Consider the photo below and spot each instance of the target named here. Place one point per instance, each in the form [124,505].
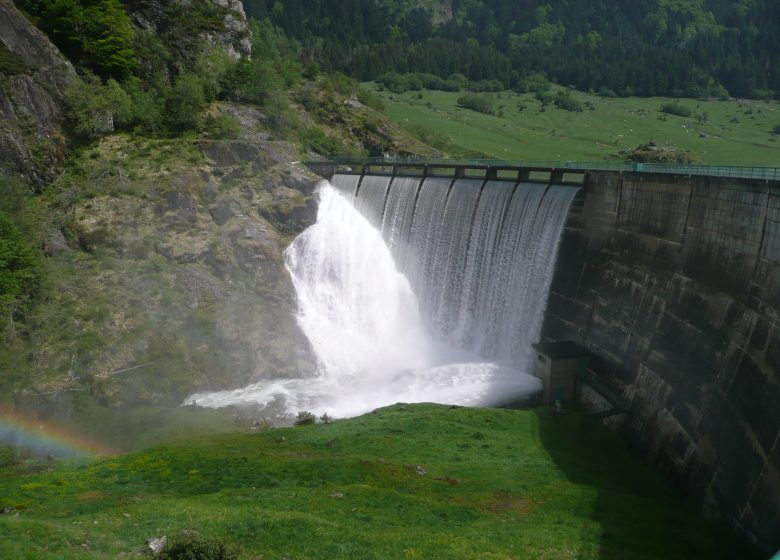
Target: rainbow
[38,437]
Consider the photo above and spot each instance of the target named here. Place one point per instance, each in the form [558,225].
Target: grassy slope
[592,135]
[532,485]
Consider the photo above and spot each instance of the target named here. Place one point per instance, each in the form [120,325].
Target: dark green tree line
[642,47]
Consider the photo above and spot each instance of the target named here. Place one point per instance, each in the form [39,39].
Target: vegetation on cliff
[95,34]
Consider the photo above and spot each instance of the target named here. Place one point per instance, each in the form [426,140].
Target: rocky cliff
[165,275]
[33,78]
[219,23]
[164,272]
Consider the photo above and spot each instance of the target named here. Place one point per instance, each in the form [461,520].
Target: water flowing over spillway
[418,290]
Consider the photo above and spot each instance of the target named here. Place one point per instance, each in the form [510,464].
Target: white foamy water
[364,322]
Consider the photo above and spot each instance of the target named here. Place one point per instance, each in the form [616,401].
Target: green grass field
[736,132]
[408,481]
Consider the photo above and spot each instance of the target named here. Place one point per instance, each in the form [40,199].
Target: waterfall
[416,290]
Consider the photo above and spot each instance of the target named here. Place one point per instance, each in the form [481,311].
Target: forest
[680,48]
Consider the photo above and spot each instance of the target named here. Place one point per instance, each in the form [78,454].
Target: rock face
[236,40]
[228,31]
[32,90]
[674,284]
[170,271]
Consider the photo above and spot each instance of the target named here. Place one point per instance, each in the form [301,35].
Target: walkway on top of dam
[525,169]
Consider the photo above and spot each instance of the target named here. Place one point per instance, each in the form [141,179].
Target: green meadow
[407,481]
[728,132]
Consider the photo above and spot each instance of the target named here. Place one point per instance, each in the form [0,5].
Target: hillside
[407,481]
[678,48]
[525,127]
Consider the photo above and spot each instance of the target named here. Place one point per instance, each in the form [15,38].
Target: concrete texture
[673,282]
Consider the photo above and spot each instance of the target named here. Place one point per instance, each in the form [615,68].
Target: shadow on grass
[639,513]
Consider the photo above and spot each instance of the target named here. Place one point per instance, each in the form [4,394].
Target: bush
[185,103]
[305,418]
[96,34]
[400,83]
[315,140]
[18,263]
[11,63]
[281,119]
[565,101]
[254,81]
[545,97]
[95,108]
[222,127]
[188,545]
[534,83]
[776,129]
[337,82]
[370,99]
[480,103]
[676,109]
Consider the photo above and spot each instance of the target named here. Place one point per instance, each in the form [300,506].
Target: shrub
[222,127]
[97,34]
[337,82]
[188,545]
[534,83]
[11,63]
[370,99]
[314,139]
[281,119]
[565,101]
[776,129]
[400,83]
[185,102]
[545,97]
[254,81]
[96,108]
[305,418]
[676,109]
[18,263]
[480,103]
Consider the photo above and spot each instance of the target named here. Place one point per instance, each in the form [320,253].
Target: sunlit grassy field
[407,481]
[731,132]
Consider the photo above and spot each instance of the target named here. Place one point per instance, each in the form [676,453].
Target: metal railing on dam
[730,171]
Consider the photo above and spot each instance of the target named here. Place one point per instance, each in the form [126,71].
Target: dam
[670,278]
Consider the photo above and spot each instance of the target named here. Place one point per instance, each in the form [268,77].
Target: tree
[18,264]
[96,108]
[185,103]
[95,34]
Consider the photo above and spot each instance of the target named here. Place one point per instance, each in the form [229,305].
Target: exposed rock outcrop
[32,144]
[222,23]
[236,40]
[184,241]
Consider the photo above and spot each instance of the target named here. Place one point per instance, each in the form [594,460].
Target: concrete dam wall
[673,283]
